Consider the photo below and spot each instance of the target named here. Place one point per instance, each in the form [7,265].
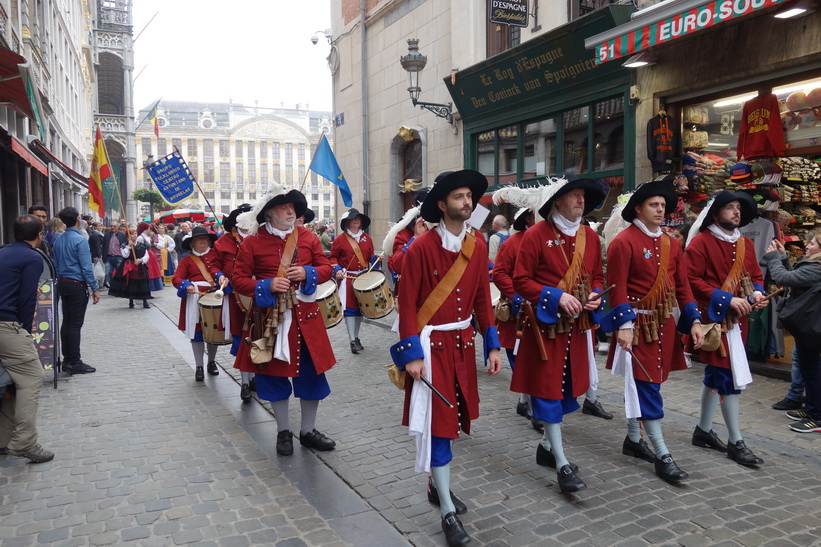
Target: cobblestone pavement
[146,456]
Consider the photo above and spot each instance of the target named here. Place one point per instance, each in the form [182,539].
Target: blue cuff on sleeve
[337,268]
[719,305]
[228,288]
[759,287]
[394,276]
[547,311]
[491,340]
[262,294]
[689,313]
[516,304]
[597,315]
[181,290]
[309,285]
[490,266]
[618,316]
[406,350]
[408,244]
[377,267]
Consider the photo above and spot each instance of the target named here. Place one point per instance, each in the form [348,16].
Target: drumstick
[601,294]
[435,391]
[774,293]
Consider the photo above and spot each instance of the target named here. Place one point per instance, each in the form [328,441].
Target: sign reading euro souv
[174,180]
[508,12]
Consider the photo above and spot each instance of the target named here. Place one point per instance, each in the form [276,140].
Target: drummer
[195,274]
[351,254]
[225,256]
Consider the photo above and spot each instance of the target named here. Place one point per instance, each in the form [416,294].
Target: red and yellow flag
[155,122]
[100,170]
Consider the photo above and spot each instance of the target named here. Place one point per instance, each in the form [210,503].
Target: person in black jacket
[111,250]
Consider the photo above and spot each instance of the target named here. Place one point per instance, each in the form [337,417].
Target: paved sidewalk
[146,456]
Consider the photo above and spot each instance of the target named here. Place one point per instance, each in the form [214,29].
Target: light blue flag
[325,165]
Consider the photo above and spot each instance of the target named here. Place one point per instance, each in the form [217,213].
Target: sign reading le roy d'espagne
[508,12]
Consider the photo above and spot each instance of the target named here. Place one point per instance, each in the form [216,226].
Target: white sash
[591,361]
[420,410]
[282,347]
[623,364]
[738,359]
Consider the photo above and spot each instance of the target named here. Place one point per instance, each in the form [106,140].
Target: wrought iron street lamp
[414,62]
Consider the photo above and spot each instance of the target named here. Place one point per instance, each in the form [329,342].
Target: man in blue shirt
[20,269]
[72,258]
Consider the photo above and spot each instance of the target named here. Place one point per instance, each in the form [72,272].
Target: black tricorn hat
[421,194]
[351,214]
[294,196]
[445,183]
[593,193]
[198,231]
[308,216]
[663,188]
[520,219]
[748,207]
[231,221]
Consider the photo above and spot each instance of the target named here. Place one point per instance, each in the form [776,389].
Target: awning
[668,20]
[16,89]
[20,149]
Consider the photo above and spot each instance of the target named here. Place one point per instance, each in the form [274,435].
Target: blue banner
[174,180]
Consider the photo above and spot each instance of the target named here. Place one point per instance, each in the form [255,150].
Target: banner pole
[308,170]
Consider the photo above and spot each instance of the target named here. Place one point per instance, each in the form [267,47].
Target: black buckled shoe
[285,443]
[454,531]
[433,497]
[739,453]
[199,374]
[213,370]
[708,440]
[569,482]
[359,345]
[595,409]
[354,347]
[546,458]
[667,469]
[245,393]
[523,410]
[638,450]
[315,439]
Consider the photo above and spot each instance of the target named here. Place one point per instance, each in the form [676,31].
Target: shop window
[540,148]
[608,134]
[575,146]
[508,155]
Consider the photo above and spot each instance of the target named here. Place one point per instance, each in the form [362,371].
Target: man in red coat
[438,337]
[280,263]
[647,268]
[225,256]
[400,237]
[351,254]
[559,271]
[727,284]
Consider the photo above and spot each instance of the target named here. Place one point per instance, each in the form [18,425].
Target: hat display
[231,220]
[308,216]
[766,200]
[663,188]
[445,183]
[565,183]
[276,195]
[198,231]
[351,214]
[721,199]
[740,171]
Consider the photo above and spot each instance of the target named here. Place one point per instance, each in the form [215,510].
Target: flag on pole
[155,122]
[100,170]
[325,165]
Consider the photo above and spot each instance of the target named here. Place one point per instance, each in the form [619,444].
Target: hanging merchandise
[761,132]
[663,142]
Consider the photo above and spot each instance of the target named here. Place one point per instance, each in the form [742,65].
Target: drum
[330,305]
[373,295]
[495,294]
[210,312]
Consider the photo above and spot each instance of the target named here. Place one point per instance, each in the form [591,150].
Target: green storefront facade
[545,107]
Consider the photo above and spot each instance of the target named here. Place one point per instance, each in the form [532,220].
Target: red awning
[13,83]
[21,150]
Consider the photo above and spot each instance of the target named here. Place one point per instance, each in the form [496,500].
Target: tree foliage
[148,196]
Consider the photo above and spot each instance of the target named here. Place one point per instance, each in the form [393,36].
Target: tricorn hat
[520,219]
[444,184]
[663,188]
[198,231]
[231,221]
[723,198]
[567,182]
[351,214]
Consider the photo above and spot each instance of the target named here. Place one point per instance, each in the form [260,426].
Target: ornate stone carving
[111,124]
[111,41]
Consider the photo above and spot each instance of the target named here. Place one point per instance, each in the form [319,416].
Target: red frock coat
[503,279]
[633,275]
[342,255]
[258,259]
[540,264]
[708,262]
[453,354]
[188,271]
[397,258]
[225,255]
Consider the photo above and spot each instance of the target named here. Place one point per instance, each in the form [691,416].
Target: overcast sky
[245,50]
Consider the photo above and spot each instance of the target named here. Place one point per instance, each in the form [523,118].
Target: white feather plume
[695,229]
[248,220]
[387,244]
[615,224]
[531,198]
